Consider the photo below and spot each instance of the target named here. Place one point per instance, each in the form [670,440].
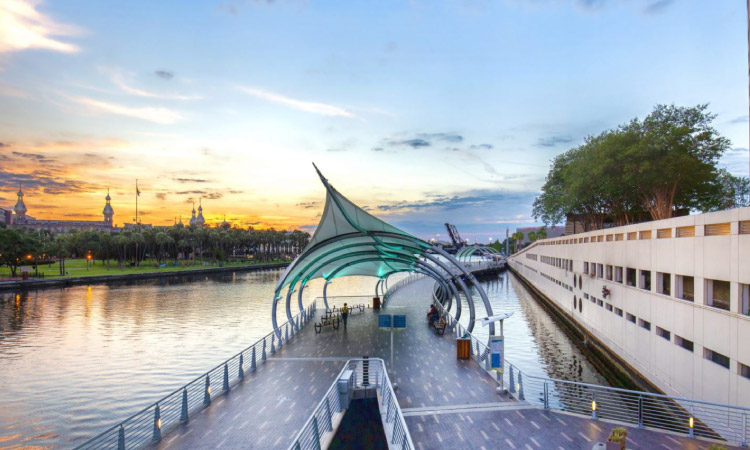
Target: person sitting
[433,314]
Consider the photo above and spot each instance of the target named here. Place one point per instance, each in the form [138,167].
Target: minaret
[108,211]
[20,208]
[192,219]
[200,221]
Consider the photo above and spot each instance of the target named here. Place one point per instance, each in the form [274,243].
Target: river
[75,361]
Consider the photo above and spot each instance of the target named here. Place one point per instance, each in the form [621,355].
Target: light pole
[88,258]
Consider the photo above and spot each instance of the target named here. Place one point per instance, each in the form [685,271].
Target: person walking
[344,314]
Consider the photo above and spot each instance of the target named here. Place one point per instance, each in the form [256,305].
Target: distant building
[197,221]
[555,231]
[17,217]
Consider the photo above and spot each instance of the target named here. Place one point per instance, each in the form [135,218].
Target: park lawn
[77,268]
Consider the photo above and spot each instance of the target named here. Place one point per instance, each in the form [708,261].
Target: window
[630,280]
[743,370]
[609,273]
[684,343]
[599,302]
[600,270]
[745,227]
[610,238]
[600,238]
[630,317]
[619,237]
[645,281]
[716,357]
[685,231]
[609,307]
[632,236]
[663,333]
[580,282]
[585,267]
[717,229]
[745,299]
[618,311]
[685,287]
[646,325]
[664,283]
[717,294]
[664,233]
[575,302]
[580,307]
[618,274]
[593,299]
[645,234]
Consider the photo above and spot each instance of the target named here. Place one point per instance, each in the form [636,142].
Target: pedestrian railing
[148,425]
[401,283]
[693,418]
[369,373]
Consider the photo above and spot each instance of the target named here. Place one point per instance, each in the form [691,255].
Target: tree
[532,236]
[16,247]
[517,237]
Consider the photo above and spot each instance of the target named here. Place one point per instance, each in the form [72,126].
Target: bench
[438,325]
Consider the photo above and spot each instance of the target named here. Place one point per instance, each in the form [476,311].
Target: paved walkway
[448,403]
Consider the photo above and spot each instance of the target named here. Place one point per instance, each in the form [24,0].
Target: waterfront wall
[676,307]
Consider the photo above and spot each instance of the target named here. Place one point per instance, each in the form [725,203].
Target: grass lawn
[77,268]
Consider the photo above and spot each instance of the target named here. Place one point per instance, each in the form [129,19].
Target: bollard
[593,405]
[157,425]
[207,391]
[273,346]
[520,386]
[546,397]
[121,438]
[184,413]
[512,381]
[225,386]
[263,351]
[640,411]
[252,360]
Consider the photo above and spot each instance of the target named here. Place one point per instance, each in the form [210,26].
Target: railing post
[184,413]
[296,323]
[640,411]
[280,339]
[273,345]
[593,405]
[395,430]
[225,385]
[291,333]
[241,374]
[520,386]
[286,332]
[157,425]
[487,363]
[546,396]
[263,351]
[207,391]
[121,438]
[328,415]
[512,380]
[316,433]
[252,360]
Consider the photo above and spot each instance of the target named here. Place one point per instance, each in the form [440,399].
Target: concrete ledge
[103,279]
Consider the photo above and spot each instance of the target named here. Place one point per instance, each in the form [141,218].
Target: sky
[423,112]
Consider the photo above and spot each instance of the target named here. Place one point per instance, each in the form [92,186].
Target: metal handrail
[319,426]
[149,424]
[637,408]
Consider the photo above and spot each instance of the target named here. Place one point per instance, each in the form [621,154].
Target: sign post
[392,322]
[497,347]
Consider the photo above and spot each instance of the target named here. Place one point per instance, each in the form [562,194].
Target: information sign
[496,353]
[384,321]
[399,321]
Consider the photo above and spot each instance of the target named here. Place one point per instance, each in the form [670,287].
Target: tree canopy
[645,168]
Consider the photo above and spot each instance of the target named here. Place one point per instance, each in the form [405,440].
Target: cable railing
[693,418]
[368,373]
[148,425]
[401,283]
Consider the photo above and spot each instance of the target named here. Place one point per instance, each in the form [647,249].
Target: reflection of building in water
[17,217]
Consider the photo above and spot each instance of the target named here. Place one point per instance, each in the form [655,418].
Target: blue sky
[425,112]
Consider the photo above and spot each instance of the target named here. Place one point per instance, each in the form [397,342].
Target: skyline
[423,113]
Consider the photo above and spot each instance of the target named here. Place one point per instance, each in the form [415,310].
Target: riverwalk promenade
[447,402]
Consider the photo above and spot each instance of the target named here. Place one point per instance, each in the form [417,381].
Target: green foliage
[654,167]
[17,247]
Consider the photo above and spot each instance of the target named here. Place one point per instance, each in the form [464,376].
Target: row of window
[714,229]
[717,292]
[680,341]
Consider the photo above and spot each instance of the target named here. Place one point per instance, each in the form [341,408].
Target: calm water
[74,361]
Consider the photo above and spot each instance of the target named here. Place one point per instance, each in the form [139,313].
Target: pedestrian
[344,314]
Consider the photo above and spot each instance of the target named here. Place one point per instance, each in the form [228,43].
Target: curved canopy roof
[350,241]
[482,250]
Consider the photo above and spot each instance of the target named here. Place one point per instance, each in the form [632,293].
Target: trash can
[463,348]
[376,303]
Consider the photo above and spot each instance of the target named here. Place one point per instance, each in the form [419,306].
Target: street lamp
[88,258]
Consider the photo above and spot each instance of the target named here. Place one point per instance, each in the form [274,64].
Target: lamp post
[88,258]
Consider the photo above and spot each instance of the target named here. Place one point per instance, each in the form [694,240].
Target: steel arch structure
[350,241]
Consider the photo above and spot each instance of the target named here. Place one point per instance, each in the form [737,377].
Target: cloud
[36,157]
[735,160]
[301,105]
[656,7]
[445,137]
[482,147]
[413,143]
[45,182]
[554,140]
[119,78]
[4,145]
[23,28]
[420,140]
[741,120]
[161,196]
[307,205]
[377,149]
[190,180]
[164,74]
[152,114]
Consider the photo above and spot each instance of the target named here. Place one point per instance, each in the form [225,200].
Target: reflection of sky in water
[74,361]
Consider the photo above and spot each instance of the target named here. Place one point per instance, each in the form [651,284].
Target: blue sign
[384,321]
[496,353]
[399,321]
